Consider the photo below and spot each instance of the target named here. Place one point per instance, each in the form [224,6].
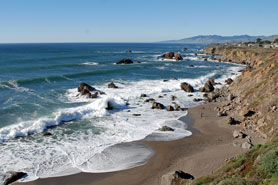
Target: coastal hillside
[217,39]
[256,99]
[252,102]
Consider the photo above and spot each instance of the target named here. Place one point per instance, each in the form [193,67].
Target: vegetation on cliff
[256,92]
[258,166]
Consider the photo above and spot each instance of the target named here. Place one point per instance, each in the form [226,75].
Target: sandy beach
[199,154]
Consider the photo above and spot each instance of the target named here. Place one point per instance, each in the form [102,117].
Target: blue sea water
[38,87]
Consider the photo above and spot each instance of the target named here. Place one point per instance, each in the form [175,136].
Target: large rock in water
[172,55]
[208,86]
[112,85]
[83,86]
[85,90]
[187,87]
[125,61]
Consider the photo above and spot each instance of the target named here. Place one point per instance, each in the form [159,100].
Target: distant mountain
[208,39]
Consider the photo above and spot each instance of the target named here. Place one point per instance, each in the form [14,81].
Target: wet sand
[199,154]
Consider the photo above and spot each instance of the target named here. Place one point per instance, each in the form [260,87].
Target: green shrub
[269,163]
[203,180]
[235,181]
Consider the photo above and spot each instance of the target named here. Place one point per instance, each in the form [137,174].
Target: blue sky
[132,20]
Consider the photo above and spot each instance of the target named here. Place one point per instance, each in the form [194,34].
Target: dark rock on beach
[197,99]
[156,105]
[187,87]
[208,87]
[10,177]
[169,108]
[143,95]
[229,81]
[166,128]
[125,61]
[149,100]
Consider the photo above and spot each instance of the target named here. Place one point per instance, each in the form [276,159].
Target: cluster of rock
[87,90]
[172,55]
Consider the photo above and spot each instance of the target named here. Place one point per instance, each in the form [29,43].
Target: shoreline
[209,145]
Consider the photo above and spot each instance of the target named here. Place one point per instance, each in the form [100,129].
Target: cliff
[256,91]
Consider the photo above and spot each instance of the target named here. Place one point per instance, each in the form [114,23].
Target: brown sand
[199,154]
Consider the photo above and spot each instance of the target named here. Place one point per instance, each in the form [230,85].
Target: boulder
[205,59]
[173,98]
[85,86]
[196,54]
[156,105]
[177,107]
[136,114]
[125,61]
[229,81]
[187,87]
[166,128]
[149,100]
[172,55]
[128,51]
[169,108]
[47,134]
[197,99]
[247,145]
[208,87]
[176,178]
[10,177]
[112,85]
[143,95]
[221,113]
[232,121]
[239,134]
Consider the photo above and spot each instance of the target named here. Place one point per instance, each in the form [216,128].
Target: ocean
[38,87]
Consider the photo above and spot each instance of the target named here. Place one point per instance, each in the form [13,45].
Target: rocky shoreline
[237,106]
[250,103]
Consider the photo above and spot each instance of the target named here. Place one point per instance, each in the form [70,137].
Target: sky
[26,21]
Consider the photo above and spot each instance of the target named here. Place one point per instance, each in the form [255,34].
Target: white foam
[90,150]
[90,63]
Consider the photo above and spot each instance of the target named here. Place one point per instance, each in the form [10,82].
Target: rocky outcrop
[125,61]
[208,87]
[84,86]
[172,55]
[87,90]
[112,85]
[187,87]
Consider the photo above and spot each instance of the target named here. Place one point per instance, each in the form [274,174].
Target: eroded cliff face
[256,91]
